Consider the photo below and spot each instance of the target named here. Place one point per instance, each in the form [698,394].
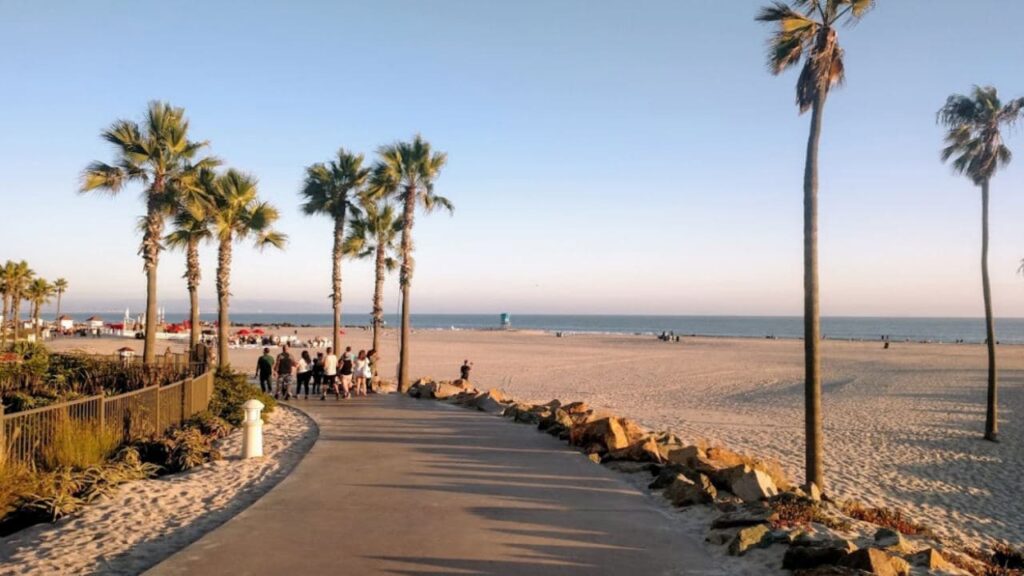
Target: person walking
[264,370]
[464,370]
[346,374]
[303,374]
[318,372]
[359,373]
[330,374]
[284,369]
[371,356]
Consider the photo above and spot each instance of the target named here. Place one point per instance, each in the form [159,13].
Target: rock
[931,559]
[626,467]
[725,457]
[595,458]
[686,455]
[806,557]
[555,422]
[748,538]
[606,431]
[813,492]
[644,451]
[892,541]
[877,562]
[749,484]
[666,476]
[831,571]
[634,432]
[782,536]
[744,516]
[460,383]
[522,413]
[720,537]
[576,408]
[444,390]
[491,401]
[686,492]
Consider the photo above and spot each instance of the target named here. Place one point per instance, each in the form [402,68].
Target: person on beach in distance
[346,374]
[303,374]
[264,370]
[359,374]
[464,370]
[285,366]
[368,370]
[318,372]
[330,374]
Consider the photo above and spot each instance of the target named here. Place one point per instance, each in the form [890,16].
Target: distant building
[65,322]
[94,322]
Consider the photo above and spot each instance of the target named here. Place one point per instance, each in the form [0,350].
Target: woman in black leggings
[305,373]
[318,372]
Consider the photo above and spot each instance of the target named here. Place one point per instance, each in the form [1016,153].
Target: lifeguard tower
[506,320]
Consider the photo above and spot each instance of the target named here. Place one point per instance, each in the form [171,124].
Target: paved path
[401,486]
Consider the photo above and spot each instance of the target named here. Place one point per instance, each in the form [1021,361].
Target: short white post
[252,444]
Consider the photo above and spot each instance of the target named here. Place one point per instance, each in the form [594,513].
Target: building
[94,322]
[64,322]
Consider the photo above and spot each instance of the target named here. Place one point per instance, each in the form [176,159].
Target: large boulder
[555,422]
[807,557]
[646,450]
[444,390]
[524,413]
[892,541]
[749,483]
[746,515]
[607,432]
[634,432]
[748,538]
[686,492]
[877,562]
[931,559]
[492,401]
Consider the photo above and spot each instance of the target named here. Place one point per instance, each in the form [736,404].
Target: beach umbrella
[258,331]
[244,332]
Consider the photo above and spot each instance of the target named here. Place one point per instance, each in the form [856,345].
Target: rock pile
[754,504]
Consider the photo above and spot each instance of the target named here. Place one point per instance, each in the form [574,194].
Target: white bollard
[252,444]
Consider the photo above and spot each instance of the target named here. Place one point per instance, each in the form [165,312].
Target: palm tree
[158,155]
[975,144]
[375,234]
[236,213]
[807,30]
[191,228]
[331,189]
[38,293]
[411,168]
[16,278]
[60,286]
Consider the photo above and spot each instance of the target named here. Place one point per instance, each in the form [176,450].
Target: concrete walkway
[401,486]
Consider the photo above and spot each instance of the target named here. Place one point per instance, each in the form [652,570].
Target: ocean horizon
[917,329]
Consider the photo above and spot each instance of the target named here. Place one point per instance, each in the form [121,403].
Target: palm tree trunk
[15,313]
[6,319]
[378,304]
[406,281]
[57,317]
[339,239]
[223,296]
[991,415]
[192,273]
[814,456]
[151,255]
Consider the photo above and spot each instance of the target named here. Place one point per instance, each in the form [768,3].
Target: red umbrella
[243,332]
[258,331]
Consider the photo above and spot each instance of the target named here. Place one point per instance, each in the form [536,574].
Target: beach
[902,426]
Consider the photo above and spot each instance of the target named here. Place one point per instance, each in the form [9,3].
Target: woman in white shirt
[305,374]
[359,374]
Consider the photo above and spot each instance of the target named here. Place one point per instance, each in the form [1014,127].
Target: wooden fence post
[186,388]
[3,436]
[156,424]
[103,414]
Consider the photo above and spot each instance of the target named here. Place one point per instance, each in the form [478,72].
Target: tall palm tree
[236,213]
[806,30]
[192,228]
[331,189]
[975,144]
[38,293]
[158,155]
[5,295]
[411,167]
[374,234]
[17,277]
[60,286]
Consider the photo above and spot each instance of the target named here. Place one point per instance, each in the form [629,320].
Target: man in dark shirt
[284,368]
[464,371]
[264,370]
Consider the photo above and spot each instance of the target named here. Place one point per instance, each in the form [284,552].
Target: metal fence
[24,436]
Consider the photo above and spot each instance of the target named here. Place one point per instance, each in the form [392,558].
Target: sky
[603,157]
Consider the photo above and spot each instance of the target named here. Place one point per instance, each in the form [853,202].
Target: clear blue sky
[604,157]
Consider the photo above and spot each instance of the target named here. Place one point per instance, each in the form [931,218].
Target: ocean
[1008,331]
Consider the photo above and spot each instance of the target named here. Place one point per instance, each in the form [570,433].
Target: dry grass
[79,444]
[887,518]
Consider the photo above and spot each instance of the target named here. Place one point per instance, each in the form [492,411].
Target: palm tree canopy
[415,165]
[16,277]
[378,225]
[330,188]
[237,213]
[60,285]
[974,140]
[806,31]
[39,291]
[156,153]
[191,224]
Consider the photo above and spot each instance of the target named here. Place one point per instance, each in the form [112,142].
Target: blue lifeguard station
[506,320]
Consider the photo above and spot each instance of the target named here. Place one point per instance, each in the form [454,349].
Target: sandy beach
[902,426]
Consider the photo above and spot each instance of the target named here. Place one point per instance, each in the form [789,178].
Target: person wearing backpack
[284,368]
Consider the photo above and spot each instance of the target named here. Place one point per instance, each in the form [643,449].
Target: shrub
[209,425]
[886,518]
[230,391]
[1006,556]
[792,511]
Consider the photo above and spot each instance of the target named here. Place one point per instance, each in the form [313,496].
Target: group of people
[345,376]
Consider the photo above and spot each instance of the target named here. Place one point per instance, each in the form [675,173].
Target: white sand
[149,520]
[902,426]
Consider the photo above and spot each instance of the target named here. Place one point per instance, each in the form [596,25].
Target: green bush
[78,444]
[209,425]
[230,391]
